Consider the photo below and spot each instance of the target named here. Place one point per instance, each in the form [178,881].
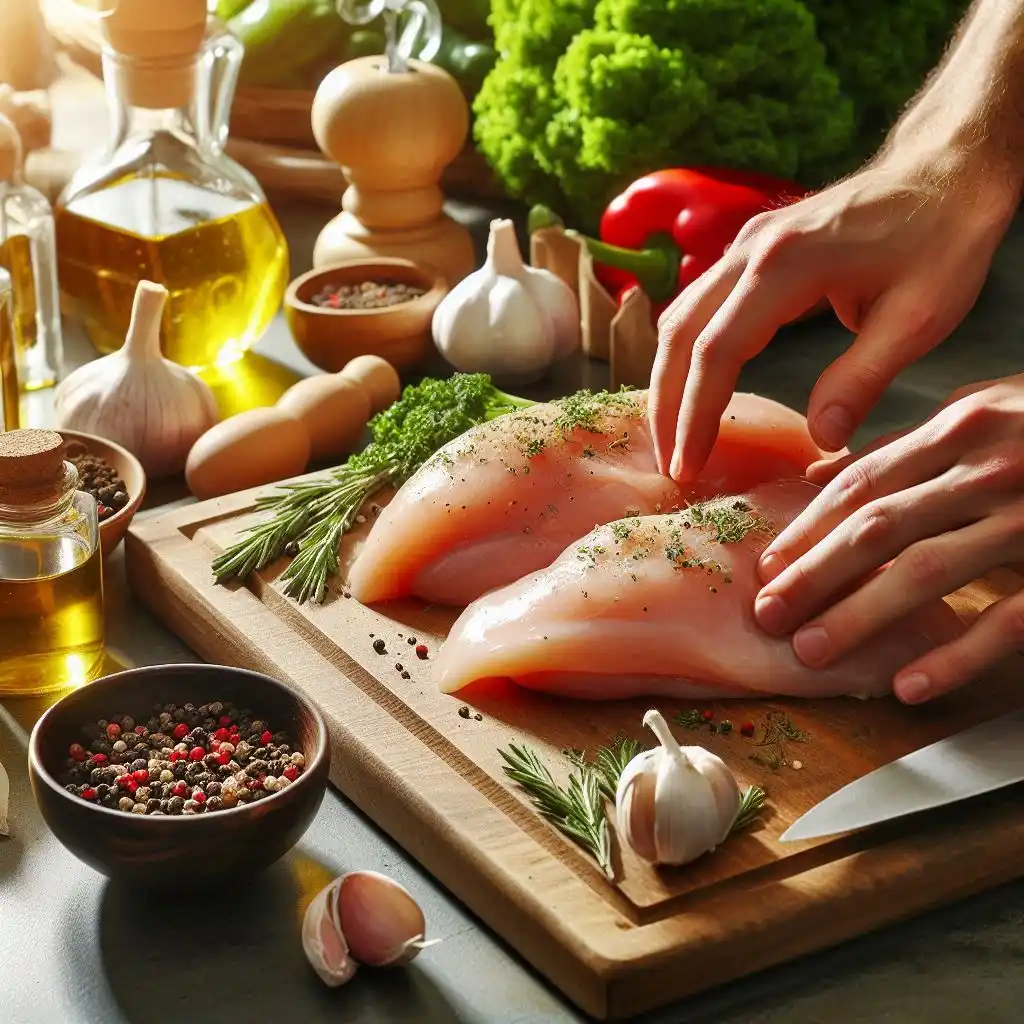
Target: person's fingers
[770,293]
[901,326]
[860,544]
[678,328]
[925,571]
[906,462]
[997,633]
[824,470]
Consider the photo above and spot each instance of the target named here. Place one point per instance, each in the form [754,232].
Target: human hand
[937,506]
[900,251]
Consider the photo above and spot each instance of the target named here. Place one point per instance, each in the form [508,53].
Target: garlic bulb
[137,398]
[361,918]
[507,319]
[5,796]
[675,803]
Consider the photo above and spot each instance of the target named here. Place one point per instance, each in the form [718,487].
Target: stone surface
[75,950]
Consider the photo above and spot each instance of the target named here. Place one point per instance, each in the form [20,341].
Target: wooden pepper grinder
[393,126]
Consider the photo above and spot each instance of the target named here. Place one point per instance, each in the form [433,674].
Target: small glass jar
[51,569]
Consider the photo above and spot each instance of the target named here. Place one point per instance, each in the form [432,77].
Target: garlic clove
[5,797]
[634,805]
[323,940]
[383,924]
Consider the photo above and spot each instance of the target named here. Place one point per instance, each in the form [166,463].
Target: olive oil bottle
[10,399]
[51,569]
[164,203]
[27,253]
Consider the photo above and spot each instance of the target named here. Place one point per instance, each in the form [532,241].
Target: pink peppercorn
[266,737]
[197,753]
[99,759]
[224,721]
[199,796]
[221,735]
[88,793]
[126,782]
[180,788]
[180,731]
[421,651]
[113,730]
[141,776]
[291,773]
[76,752]
[223,758]
[141,730]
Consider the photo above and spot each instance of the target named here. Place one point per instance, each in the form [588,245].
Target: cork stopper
[159,39]
[10,151]
[31,467]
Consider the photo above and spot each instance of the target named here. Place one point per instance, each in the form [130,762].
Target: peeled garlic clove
[384,925]
[324,941]
[5,796]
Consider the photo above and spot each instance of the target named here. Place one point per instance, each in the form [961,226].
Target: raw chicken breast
[658,605]
[506,497]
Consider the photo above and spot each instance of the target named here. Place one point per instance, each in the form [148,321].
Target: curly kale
[589,94]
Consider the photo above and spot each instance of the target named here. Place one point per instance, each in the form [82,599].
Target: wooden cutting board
[432,779]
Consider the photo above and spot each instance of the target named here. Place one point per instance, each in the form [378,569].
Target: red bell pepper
[670,226]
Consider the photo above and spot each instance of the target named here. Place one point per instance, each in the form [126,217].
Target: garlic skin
[5,796]
[137,398]
[507,319]
[323,941]
[673,804]
[363,917]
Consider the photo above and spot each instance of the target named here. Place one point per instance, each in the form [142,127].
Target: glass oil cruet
[51,569]
[10,412]
[164,202]
[28,254]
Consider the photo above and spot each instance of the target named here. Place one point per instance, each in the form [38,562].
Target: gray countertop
[75,949]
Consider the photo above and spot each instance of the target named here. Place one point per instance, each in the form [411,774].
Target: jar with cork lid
[51,569]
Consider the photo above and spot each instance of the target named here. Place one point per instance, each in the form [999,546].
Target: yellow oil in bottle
[51,614]
[9,397]
[16,259]
[224,261]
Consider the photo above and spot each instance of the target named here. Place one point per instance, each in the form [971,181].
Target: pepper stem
[654,721]
[655,267]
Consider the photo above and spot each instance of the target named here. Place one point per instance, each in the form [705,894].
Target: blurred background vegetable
[292,44]
[588,95]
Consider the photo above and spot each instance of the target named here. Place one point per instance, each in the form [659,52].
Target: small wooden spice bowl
[330,338]
[167,850]
[128,468]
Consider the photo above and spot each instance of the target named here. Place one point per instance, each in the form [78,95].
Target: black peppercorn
[152,804]
[176,804]
[379,646]
[138,764]
[214,803]
[213,788]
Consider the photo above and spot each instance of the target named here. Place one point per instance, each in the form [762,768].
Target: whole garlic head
[137,398]
[675,803]
[362,917]
[507,319]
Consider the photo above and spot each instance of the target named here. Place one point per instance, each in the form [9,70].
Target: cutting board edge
[603,983]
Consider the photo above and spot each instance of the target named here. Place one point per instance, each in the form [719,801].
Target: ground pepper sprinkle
[183,760]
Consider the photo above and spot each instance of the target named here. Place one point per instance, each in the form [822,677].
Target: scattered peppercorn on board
[426,768]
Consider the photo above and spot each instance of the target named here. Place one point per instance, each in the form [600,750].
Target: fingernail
[834,426]
[770,566]
[770,612]
[811,645]
[913,688]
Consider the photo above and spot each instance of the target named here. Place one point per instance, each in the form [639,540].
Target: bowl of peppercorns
[167,774]
[113,476]
[381,306]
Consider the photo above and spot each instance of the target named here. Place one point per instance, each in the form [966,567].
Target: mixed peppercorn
[368,295]
[98,477]
[181,760]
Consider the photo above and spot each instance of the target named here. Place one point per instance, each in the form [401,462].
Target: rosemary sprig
[610,763]
[577,811]
[751,805]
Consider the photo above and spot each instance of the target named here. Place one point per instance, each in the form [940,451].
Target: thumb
[902,325]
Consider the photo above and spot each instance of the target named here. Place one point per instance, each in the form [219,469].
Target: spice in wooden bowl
[366,295]
[99,478]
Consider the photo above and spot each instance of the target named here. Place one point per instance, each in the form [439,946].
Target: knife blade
[978,760]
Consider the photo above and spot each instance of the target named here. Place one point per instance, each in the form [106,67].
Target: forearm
[973,106]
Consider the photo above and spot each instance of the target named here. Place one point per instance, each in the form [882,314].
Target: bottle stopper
[31,467]
[158,42]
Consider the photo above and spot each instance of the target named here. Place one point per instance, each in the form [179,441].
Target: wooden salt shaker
[393,133]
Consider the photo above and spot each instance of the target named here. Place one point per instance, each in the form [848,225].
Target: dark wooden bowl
[170,850]
[331,338]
